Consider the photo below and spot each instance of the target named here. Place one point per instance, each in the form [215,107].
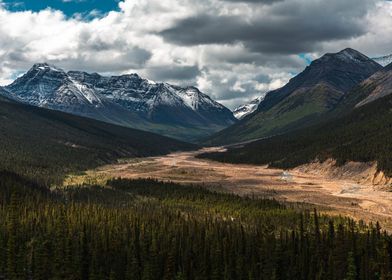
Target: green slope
[297,110]
[362,135]
[44,144]
[304,100]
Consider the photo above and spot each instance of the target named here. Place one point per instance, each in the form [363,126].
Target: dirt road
[337,196]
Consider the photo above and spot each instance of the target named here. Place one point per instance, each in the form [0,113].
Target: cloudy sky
[233,50]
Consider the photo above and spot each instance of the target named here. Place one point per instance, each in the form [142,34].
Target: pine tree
[170,266]
[351,268]
[12,251]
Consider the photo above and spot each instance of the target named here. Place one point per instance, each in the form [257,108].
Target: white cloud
[128,40]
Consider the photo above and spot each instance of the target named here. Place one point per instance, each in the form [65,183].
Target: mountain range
[305,99]
[127,100]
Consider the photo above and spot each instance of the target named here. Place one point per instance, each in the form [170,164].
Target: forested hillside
[363,135]
[44,145]
[149,230]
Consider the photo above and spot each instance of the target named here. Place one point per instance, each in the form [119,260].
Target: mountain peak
[350,51]
[341,70]
[352,54]
[45,67]
[348,56]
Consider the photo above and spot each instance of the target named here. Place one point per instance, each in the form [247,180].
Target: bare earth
[332,195]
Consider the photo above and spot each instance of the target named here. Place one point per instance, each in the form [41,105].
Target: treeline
[145,229]
[363,135]
[46,145]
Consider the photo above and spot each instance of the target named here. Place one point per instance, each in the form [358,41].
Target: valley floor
[332,195]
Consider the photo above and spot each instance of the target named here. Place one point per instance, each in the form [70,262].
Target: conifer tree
[351,268]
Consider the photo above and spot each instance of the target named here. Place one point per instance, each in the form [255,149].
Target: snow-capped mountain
[247,109]
[383,60]
[129,100]
[47,86]
[158,101]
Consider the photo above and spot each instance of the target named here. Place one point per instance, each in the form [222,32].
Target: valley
[195,140]
[332,195]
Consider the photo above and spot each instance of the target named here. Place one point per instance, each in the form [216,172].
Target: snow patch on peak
[190,97]
[195,99]
[347,55]
[84,92]
[45,67]
[151,82]
[247,109]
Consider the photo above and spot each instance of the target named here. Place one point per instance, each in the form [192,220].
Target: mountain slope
[362,135]
[376,86]
[45,144]
[127,100]
[3,94]
[309,95]
[380,85]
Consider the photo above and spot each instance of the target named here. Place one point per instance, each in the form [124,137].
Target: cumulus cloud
[233,50]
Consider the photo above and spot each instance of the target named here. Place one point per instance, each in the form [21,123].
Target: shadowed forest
[145,229]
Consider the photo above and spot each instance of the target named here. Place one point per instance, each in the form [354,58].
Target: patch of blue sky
[307,57]
[71,8]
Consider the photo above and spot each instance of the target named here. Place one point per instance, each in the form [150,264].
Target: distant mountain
[383,60]
[159,102]
[247,109]
[45,145]
[305,99]
[127,100]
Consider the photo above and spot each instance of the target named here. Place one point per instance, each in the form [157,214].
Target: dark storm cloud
[262,78]
[241,56]
[178,73]
[289,27]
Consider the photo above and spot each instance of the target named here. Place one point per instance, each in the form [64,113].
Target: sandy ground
[333,195]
